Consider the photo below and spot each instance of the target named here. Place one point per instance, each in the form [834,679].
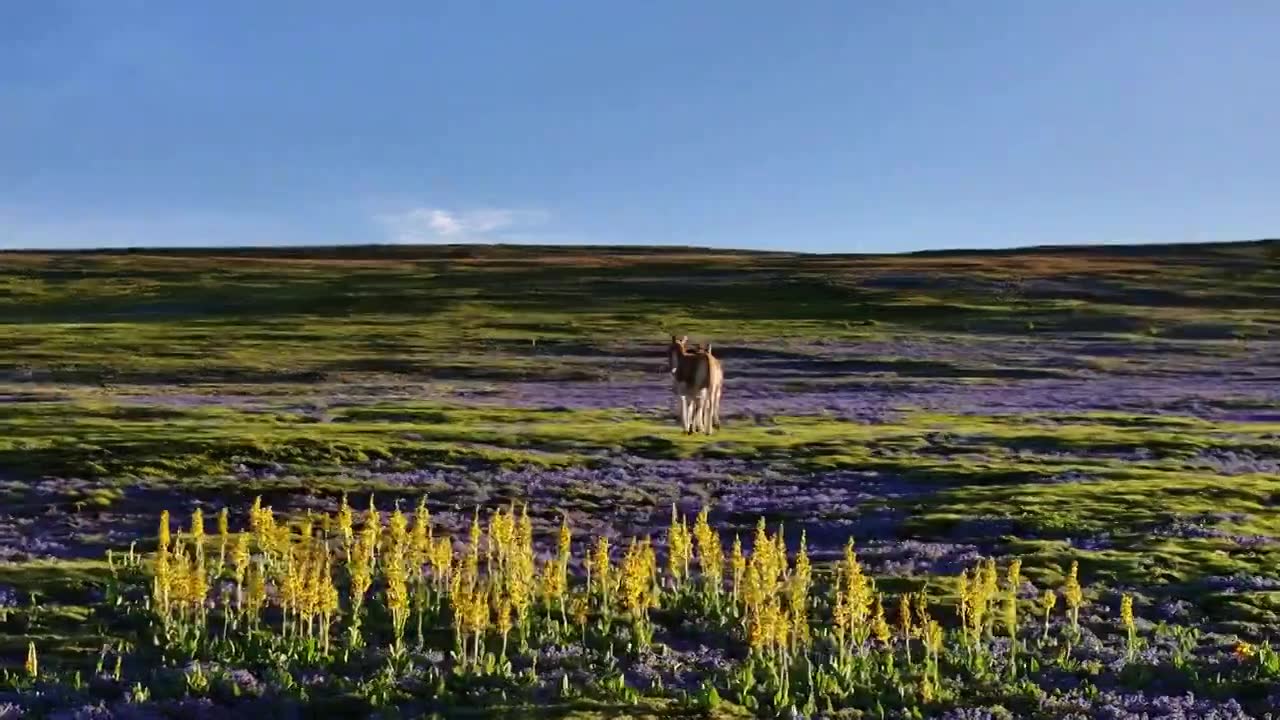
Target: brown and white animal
[697,381]
[714,389]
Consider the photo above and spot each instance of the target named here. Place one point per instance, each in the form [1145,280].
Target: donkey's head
[676,350]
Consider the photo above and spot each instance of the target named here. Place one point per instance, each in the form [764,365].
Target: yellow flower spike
[579,610]
[1129,624]
[935,637]
[754,592]
[1073,593]
[163,539]
[521,571]
[990,589]
[502,615]
[779,553]
[798,596]
[650,562]
[328,600]
[840,615]
[715,564]
[632,586]
[858,595]
[761,546]
[199,580]
[162,584]
[256,596]
[397,531]
[346,527]
[361,570]
[182,568]
[197,531]
[255,514]
[564,550]
[493,548]
[396,592]
[686,550]
[282,536]
[549,582]
[905,626]
[565,539]
[442,562]
[240,562]
[473,547]
[373,522]
[781,632]
[309,587]
[1015,575]
[289,588]
[478,620]
[32,665]
[922,611]
[975,587]
[738,562]
[459,604]
[224,536]
[526,525]
[677,550]
[600,567]
[264,532]
[879,626]
[1047,601]
[420,541]
[174,589]
[710,553]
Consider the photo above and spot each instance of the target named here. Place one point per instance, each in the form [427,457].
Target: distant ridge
[464,250]
[1127,250]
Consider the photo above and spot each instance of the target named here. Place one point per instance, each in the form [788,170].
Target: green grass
[92,340]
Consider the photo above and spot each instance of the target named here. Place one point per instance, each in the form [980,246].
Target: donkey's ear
[708,347]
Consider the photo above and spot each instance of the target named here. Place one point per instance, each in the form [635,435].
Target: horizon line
[531,247]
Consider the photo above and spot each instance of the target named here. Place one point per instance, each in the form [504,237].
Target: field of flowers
[446,482]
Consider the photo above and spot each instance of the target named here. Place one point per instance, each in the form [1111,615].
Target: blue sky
[813,126]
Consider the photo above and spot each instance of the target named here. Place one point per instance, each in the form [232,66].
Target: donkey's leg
[704,401]
[695,416]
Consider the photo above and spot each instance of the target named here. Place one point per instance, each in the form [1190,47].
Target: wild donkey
[697,379]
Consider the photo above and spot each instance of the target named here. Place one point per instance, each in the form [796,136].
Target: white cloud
[423,225]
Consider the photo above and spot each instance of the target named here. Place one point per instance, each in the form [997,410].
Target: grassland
[1119,407]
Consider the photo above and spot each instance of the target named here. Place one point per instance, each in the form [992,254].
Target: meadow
[407,482]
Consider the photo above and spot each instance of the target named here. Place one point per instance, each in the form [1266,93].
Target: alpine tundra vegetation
[447,482]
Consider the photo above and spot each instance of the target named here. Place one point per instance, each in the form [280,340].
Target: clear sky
[817,126]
